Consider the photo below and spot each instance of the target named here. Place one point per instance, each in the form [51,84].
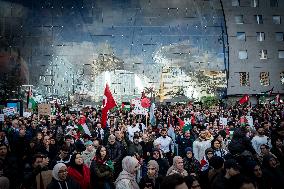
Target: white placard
[223,121]
[27,114]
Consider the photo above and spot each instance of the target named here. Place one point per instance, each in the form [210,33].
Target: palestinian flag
[268,93]
[82,126]
[31,103]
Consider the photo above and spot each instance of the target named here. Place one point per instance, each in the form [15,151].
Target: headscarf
[56,169]
[173,169]
[156,165]
[128,165]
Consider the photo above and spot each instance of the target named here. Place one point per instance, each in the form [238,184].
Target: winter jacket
[82,179]
[101,173]
[71,184]
[114,152]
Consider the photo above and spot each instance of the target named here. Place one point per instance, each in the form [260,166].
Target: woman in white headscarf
[61,180]
[127,178]
[177,167]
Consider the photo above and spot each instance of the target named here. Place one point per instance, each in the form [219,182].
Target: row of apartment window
[276,19]
[255,3]
[260,36]
[263,78]
[243,54]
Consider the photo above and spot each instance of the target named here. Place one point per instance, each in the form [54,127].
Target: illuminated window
[243,55]
[279,36]
[258,19]
[244,78]
[280,54]
[241,36]
[263,54]
[239,19]
[235,3]
[260,36]
[276,19]
[264,78]
[254,3]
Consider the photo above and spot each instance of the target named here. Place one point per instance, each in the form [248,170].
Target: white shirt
[199,148]
[131,130]
[165,143]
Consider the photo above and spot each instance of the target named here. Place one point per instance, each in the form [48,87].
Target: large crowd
[186,147]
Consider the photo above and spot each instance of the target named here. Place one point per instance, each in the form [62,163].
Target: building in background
[255,31]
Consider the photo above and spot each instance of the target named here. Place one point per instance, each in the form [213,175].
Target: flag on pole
[277,98]
[31,103]
[152,115]
[244,99]
[108,104]
[269,92]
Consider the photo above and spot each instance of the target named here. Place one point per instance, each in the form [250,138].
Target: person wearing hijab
[127,178]
[61,180]
[152,179]
[191,165]
[177,167]
[162,162]
[79,171]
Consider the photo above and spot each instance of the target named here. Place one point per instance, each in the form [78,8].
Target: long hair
[98,153]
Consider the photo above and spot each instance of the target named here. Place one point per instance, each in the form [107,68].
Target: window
[263,54]
[260,36]
[241,36]
[276,19]
[254,3]
[244,78]
[264,78]
[282,78]
[280,54]
[239,19]
[258,19]
[273,3]
[235,3]
[243,55]
[279,36]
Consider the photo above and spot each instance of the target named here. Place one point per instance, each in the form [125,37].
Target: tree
[209,101]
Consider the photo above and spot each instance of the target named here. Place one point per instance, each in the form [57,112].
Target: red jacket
[83,180]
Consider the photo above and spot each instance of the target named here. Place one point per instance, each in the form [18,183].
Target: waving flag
[244,99]
[31,103]
[152,115]
[108,104]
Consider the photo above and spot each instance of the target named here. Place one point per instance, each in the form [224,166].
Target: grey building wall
[253,64]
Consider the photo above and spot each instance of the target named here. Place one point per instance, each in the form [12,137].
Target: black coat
[100,175]
[54,184]
[114,152]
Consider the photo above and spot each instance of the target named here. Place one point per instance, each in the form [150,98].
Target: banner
[9,111]
[223,121]
[138,109]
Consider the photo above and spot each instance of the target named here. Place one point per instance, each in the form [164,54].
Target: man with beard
[260,139]
[167,145]
[115,153]
[200,145]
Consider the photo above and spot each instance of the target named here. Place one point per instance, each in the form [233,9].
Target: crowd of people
[186,147]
